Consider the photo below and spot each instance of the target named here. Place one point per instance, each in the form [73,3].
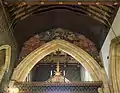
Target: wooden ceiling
[103,12]
[90,18]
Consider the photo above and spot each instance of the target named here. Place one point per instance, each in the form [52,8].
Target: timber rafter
[104,12]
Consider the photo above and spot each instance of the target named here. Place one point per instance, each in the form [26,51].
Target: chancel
[58,78]
[59,46]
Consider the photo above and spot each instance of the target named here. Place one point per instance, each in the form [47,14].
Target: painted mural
[59,33]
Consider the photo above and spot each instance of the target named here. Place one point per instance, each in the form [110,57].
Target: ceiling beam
[67,2]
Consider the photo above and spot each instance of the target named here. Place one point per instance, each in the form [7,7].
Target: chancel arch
[97,73]
[33,58]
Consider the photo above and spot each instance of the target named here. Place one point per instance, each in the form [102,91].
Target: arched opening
[33,58]
[69,69]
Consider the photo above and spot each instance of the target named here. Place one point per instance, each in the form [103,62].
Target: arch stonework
[7,59]
[22,70]
[115,65]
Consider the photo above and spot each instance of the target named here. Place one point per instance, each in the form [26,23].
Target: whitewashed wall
[106,46]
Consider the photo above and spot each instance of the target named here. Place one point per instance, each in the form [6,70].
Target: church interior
[59,46]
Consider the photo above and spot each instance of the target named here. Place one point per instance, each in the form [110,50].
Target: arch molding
[25,66]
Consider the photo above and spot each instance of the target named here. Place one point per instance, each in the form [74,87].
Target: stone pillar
[7,38]
[115,65]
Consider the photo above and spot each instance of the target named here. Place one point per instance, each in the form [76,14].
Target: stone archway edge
[115,65]
[34,57]
[7,59]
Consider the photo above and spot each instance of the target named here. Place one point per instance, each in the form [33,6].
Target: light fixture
[115,3]
[97,3]
[60,2]
[42,3]
[79,3]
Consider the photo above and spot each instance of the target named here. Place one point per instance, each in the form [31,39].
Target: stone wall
[7,38]
[115,65]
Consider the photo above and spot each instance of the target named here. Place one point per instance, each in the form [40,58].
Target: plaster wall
[113,33]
